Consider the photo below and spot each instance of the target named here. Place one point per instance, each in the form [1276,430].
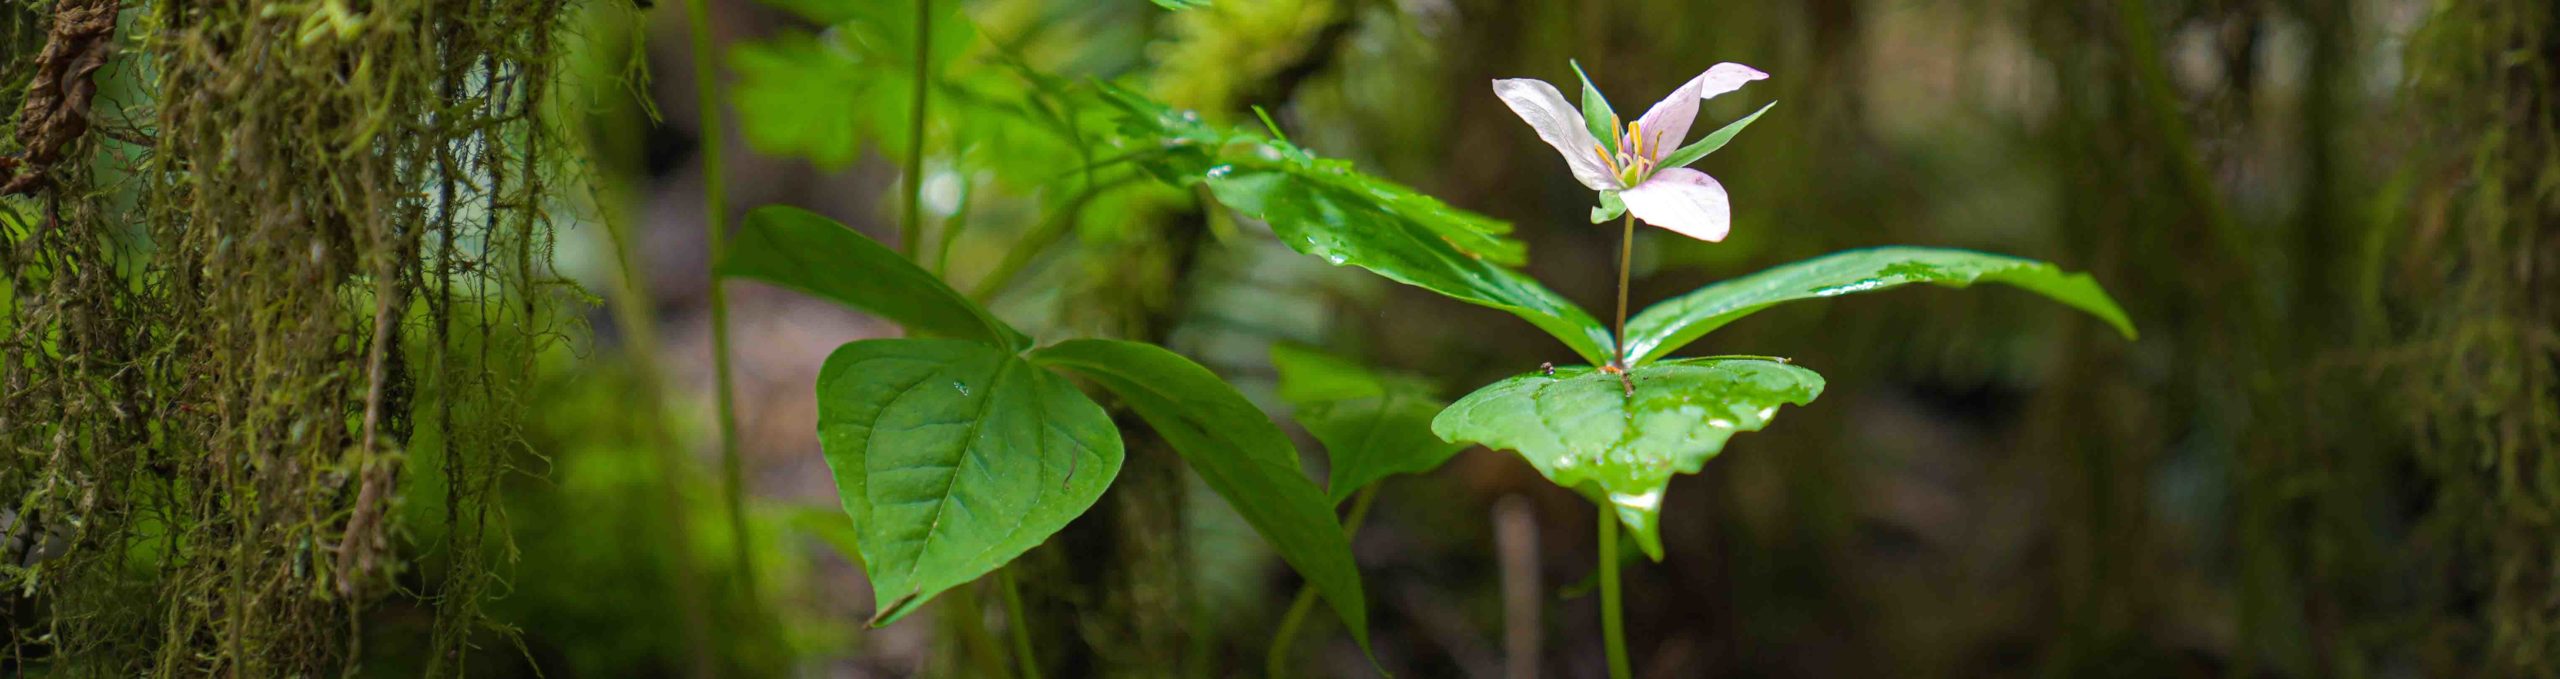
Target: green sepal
[1596,113]
[1691,153]
[1611,206]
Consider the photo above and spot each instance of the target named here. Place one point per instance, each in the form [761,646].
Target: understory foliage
[287,222]
[278,274]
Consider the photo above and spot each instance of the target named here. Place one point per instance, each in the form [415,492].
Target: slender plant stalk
[911,229]
[1276,664]
[1618,337]
[1612,628]
[1021,625]
[1051,229]
[951,229]
[973,648]
[715,201]
[1626,260]
[630,308]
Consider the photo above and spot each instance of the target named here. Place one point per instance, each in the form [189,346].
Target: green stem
[1020,624]
[715,200]
[911,229]
[974,651]
[1626,258]
[1052,228]
[631,314]
[1276,664]
[951,229]
[1612,628]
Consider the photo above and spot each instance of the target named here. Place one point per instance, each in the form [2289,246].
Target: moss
[2475,302]
[221,321]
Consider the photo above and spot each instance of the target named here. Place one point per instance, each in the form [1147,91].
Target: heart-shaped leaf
[1582,430]
[1373,426]
[1668,325]
[801,250]
[953,457]
[1236,450]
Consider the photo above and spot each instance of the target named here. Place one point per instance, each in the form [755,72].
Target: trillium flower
[1641,168]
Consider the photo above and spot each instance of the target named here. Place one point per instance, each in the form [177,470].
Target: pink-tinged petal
[1561,125]
[1666,125]
[1726,77]
[1682,200]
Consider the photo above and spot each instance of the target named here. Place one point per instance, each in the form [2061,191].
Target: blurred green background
[2330,454]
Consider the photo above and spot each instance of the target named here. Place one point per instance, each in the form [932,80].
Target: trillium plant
[1619,431]
[1635,168]
[969,442]
[1619,427]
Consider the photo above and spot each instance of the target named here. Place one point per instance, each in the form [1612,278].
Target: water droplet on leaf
[1860,286]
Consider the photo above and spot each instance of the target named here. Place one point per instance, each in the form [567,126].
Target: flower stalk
[1618,339]
[1612,625]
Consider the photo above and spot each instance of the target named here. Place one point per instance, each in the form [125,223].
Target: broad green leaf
[1237,450]
[1666,326]
[1343,228]
[886,29]
[801,250]
[1714,140]
[1327,209]
[1579,427]
[1596,113]
[1373,426]
[805,96]
[1184,150]
[822,97]
[954,457]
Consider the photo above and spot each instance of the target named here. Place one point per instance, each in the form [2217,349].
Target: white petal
[1666,125]
[1561,125]
[1682,200]
[1726,77]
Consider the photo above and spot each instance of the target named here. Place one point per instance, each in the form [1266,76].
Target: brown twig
[57,108]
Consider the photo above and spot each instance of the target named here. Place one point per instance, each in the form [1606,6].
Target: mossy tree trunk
[227,285]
